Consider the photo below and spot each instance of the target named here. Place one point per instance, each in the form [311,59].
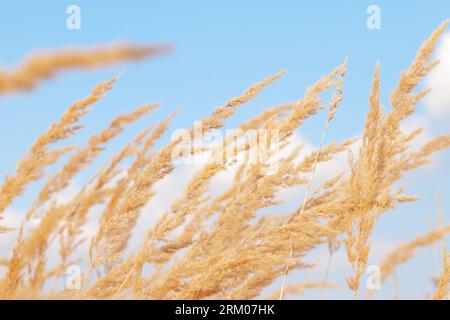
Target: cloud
[438,100]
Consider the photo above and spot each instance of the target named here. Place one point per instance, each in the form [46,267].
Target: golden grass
[442,288]
[45,65]
[31,166]
[206,245]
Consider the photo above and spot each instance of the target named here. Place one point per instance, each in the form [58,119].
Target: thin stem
[305,198]
[327,271]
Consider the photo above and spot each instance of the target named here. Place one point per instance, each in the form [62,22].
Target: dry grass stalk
[336,99]
[125,213]
[442,289]
[31,167]
[228,245]
[43,65]
[403,252]
[299,288]
[86,155]
[383,157]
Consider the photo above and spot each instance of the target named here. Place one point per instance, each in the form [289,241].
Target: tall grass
[208,245]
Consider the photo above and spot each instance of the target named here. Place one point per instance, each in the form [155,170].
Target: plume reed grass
[442,289]
[43,65]
[209,244]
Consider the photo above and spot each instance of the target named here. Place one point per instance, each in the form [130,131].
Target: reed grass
[209,245]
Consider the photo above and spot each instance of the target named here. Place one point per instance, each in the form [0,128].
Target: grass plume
[210,243]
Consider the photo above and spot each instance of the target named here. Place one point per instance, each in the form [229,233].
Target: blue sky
[220,49]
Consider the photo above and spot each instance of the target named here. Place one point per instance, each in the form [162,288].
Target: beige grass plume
[403,252]
[442,289]
[44,65]
[210,244]
[31,167]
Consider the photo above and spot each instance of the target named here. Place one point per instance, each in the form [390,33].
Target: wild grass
[208,245]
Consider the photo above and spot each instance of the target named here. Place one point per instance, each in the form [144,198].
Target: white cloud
[438,100]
